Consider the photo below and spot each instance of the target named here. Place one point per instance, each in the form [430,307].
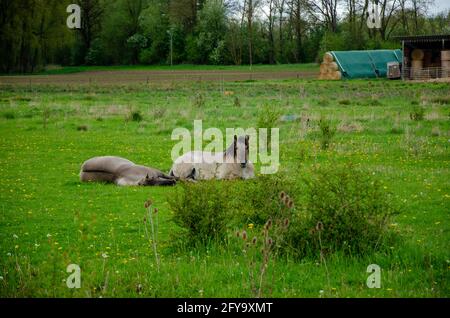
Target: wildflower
[148,203]
[290,204]
[104,255]
[268,224]
[155,211]
[244,235]
[286,222]
[254,240]
[250,226]
[269,241]
[282,195]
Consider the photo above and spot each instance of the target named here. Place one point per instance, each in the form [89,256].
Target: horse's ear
[235,147]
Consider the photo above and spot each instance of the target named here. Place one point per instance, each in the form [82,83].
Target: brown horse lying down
[122,172]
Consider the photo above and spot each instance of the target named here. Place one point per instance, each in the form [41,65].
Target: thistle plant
[262,249]
[151,220]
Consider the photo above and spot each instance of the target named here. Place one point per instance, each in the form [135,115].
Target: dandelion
[250,226]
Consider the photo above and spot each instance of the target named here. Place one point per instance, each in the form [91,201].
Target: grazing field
[115,75]
[395,132]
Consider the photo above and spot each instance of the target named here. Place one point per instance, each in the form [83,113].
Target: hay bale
[417,64]
[417,54]
[333,66]
[445,55]
[328,57]
[337,75]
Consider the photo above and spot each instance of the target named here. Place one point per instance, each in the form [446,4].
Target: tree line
[33,33]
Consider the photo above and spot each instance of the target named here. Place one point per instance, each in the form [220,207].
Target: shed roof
[423,38]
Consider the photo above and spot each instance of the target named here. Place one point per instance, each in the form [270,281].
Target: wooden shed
[425,56]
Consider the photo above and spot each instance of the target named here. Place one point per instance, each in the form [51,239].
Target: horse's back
[109,164]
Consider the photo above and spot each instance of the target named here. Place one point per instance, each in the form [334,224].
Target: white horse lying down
[233,163]
[122,172]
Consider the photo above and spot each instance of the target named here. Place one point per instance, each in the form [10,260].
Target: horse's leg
[96,176]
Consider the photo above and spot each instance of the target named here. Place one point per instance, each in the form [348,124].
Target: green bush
[336,209]
[9,115]
[344,209]
[417,114]
[201,210]
[134,115]
[327,133]
[268,118]
[208,210]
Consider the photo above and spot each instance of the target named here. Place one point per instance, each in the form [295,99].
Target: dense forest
[33,33]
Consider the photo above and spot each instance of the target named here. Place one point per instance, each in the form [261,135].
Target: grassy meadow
[48,219]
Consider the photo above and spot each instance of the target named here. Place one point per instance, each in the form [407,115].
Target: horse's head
[146,181]
[241,150]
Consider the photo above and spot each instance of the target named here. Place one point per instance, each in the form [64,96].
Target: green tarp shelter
[365,64]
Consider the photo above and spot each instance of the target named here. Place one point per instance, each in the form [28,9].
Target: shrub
[201,209]
[207,210]
[344,102]
[396,130]
[344,209]
[327,133]
[267,118]
[237,102]
[9,115]
[417,113]
[134,115]
[199,100]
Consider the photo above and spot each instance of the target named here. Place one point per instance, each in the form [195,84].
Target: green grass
[49,219]
[180,67]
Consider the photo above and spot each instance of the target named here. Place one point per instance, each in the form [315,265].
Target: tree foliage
[33,33]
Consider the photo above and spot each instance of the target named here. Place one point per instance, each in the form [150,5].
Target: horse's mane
[229,152]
